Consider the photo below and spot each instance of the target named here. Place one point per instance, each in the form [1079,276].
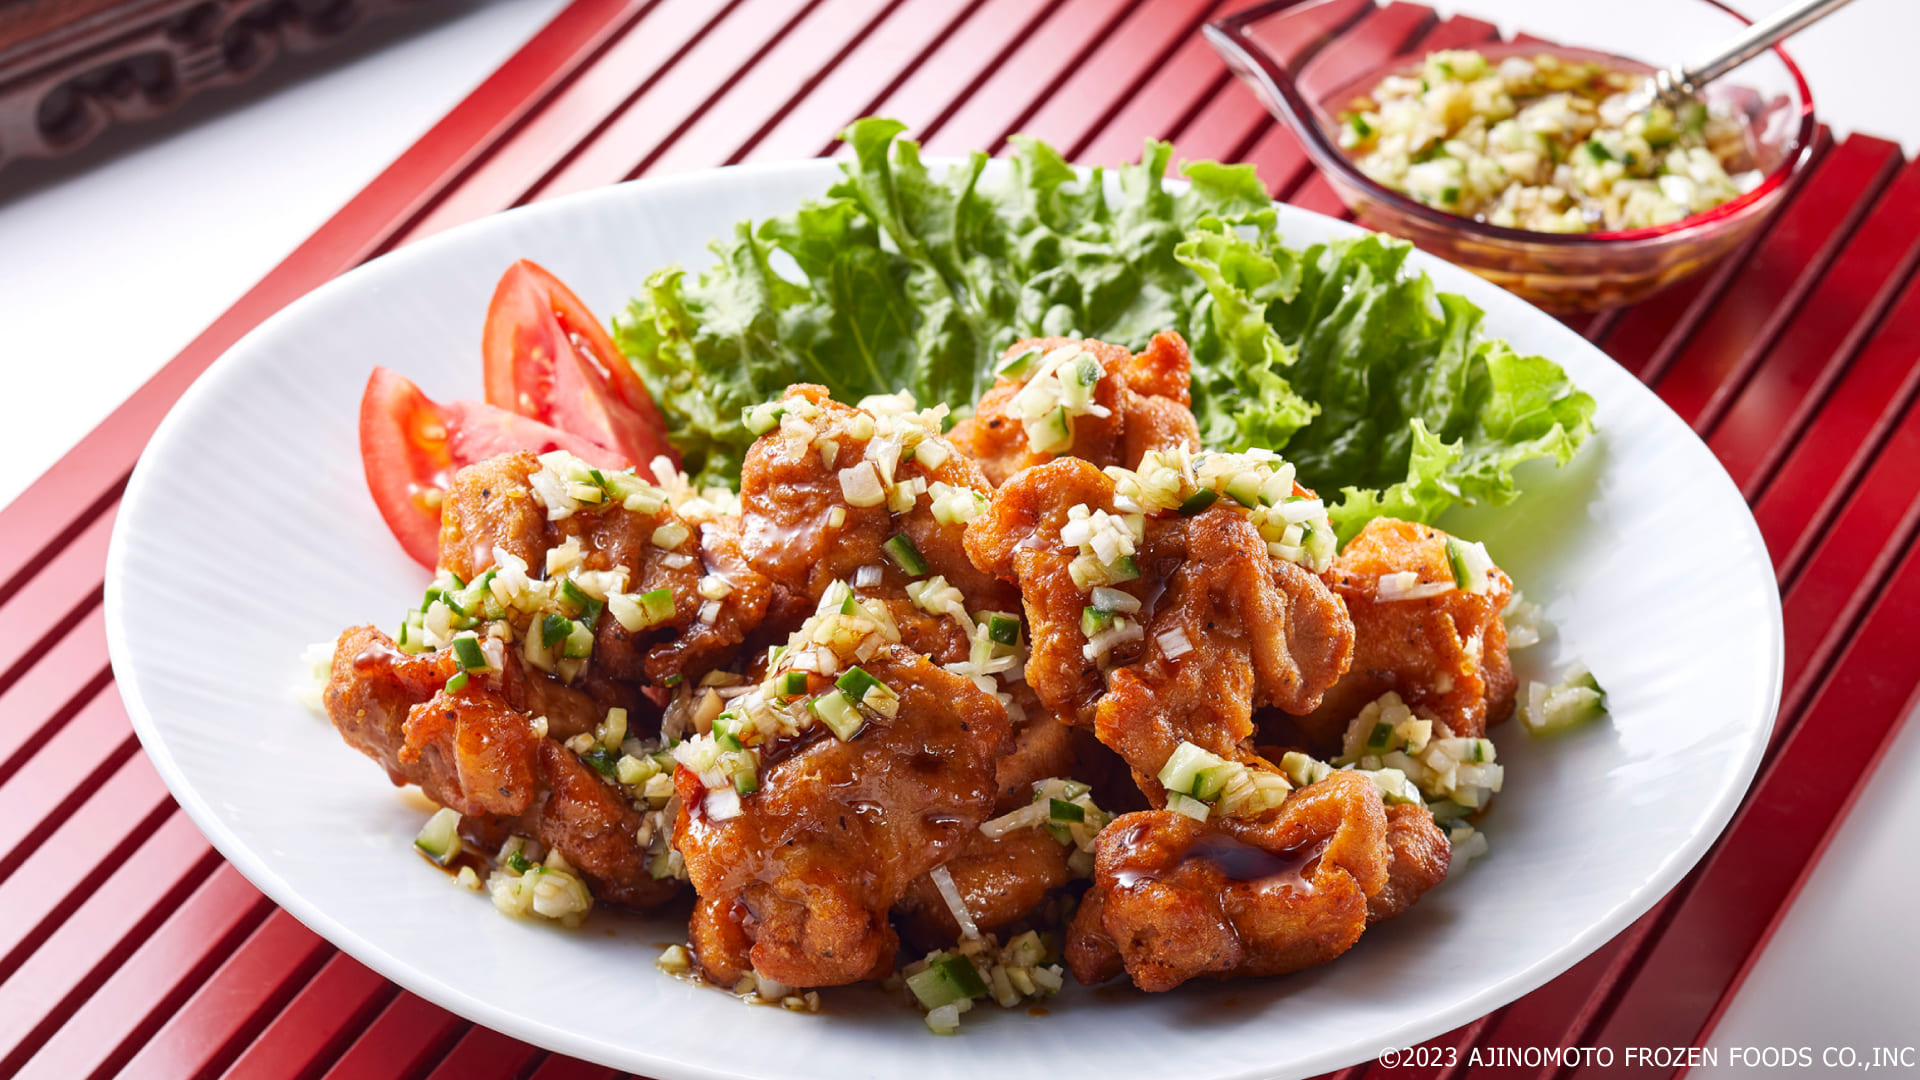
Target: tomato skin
[548,359]
[406,452]
[410,447]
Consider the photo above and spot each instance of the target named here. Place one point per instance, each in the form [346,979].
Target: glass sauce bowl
[1304,73]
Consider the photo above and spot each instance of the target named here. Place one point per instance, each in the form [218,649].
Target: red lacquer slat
[101,932]
[233,1003]
[61,680]
[80,754]
[1041,59]
[1665,322]
[621,68]
[484,1054]
[1839,445]
[559,1068]
[964,59]
[885,57]
[59,591]
[119,1017]
[784,75]
[317,1025]
[1764,422]
[1122,61]
[47,886]
[697,76]
[613,88]
[409,1033]
[1794,250]
[1779,833]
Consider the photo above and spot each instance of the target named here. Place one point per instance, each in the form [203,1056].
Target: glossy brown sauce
[1239,862]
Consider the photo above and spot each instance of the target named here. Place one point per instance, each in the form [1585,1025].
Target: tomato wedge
[548,359]
[410,447]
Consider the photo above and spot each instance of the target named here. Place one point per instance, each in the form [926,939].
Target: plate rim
[1660,881]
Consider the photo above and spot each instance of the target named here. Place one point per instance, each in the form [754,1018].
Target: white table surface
[112,260]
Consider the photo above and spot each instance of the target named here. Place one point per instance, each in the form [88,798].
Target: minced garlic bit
[1059,387]
[524,888]
[948,982]
[1198,782]
[1065,808]
[1409,757]
[1545,144]
[675,960]
[892,433]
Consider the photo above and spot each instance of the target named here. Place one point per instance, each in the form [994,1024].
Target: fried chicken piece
[1420,855]
[1257,630]
[1445,655]
[477,753]
[798,885]
[491,504]
[790,492]
[1003,880]
[1177,899]
[1143,403]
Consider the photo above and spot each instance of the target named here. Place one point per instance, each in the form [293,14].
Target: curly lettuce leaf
[1412,408]
[1370,381]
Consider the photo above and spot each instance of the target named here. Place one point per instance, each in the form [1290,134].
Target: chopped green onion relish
[905,555]
[947,980]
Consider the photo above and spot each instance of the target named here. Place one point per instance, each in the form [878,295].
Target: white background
[112,260]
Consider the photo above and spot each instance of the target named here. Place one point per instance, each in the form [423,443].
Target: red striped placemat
[128,947]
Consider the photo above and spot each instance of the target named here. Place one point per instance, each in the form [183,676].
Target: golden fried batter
[1445,655]
[1420,855]
[1145,399]
[475,752]
[790,491]
[491,504]
[1257,630]
[797,887]
[1176,899]
[1002,880]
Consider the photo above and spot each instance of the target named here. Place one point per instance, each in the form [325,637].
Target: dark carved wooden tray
[70,68]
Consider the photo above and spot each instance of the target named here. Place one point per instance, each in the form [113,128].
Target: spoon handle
[1756,39]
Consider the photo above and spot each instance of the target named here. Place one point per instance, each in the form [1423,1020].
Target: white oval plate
[247,533]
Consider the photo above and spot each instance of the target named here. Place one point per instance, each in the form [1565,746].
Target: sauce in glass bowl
[1544,142]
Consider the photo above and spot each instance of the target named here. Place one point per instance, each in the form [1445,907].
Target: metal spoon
[1676,85]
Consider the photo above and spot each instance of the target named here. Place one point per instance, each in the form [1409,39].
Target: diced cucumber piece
[554,630]
[439,838]
[791,683]
[1380,738]
[579,641]
[1093,621]
[1184,765]
[1209,782]
[1123,569]
[1198,501]
[1003,629]
[945,981]
[1244,488]
[1189,806]
[905,555]
[603,761]
[466,649]
[763,417]
[1050,433]
[1017,365]
[458,682]
[837,711]
[856,682]
[1571,706]
[1061,810]
[1086,370]
[1471,565]
[746,778]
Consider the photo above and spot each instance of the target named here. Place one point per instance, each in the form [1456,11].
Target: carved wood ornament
[70,68]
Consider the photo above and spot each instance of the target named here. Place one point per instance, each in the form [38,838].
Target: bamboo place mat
[129,947]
